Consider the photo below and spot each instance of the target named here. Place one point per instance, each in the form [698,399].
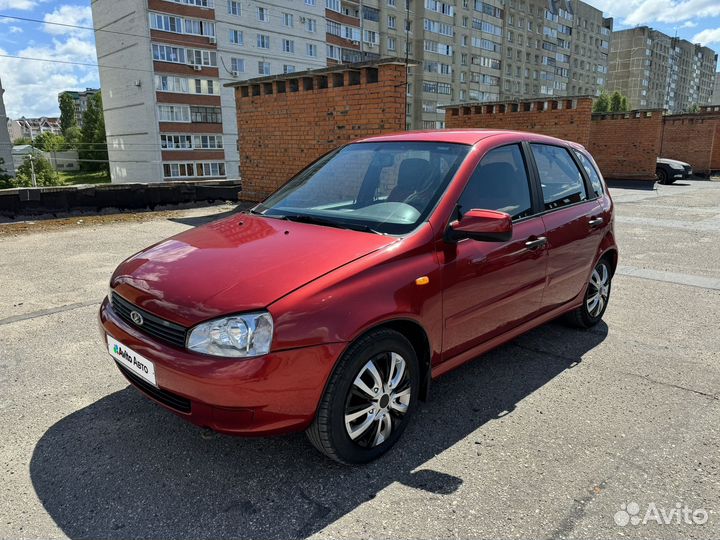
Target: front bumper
[275,393]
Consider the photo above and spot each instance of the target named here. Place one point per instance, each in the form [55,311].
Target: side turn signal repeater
[422,280]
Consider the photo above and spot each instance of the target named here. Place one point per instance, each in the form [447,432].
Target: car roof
[465,136]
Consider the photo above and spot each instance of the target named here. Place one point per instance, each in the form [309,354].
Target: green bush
[45,175]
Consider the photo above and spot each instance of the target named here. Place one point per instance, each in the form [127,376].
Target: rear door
[491,287]
[573,222]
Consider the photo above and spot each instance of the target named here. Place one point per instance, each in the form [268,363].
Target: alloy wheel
[598,290]
[378,400]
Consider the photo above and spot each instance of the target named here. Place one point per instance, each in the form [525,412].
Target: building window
[288,45]
[311,25]
[236,37]
[207,142]
[288,19]
[263,41]
[193,169]
[334,28]
[309,2]
[166,53]
[234,7]
[208,115]
[333,52]
[333,5]
[173,113]
[392,21]
[391,44]
[237,65]
[165,83]
[176,142]
[311,49]
[288,68]
[201,57]
[263,14]
[264,68]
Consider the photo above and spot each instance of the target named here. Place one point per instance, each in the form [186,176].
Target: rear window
[591,172]
[562,183]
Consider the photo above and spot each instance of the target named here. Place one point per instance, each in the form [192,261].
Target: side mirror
[484,225]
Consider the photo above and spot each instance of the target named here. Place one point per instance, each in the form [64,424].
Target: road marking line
[690,280]
[45,312]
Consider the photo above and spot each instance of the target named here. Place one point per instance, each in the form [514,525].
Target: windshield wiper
[303,218]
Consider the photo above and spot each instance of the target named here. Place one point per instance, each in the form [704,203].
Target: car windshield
[383,187]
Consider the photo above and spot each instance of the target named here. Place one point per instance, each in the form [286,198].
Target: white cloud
[688,24]
[68,14]
[31,87]
[635,12]
[707,37]
[18,4]
[15,30]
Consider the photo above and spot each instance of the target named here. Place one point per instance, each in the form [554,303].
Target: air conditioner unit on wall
[235,73]
[212,39]
[197,68]
[303,20]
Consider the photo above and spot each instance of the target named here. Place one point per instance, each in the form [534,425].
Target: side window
[500,182]
[591,172]
[562,183]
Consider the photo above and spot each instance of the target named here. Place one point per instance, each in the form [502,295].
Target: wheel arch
[418,337]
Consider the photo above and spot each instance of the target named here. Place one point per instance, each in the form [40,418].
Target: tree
[49,142]
[616,102]
[45,175]
[73,137]
[694,108]
[624,104]
[5,178]
[93,144]
[602,103]
[67,113]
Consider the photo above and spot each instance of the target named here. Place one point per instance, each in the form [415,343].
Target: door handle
[596,222]
[536,244]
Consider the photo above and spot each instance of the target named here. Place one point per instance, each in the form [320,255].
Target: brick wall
[694,138]
[626,145]
[565,118]
[286,122]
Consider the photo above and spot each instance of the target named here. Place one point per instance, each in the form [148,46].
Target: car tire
[343,428]
[664,177]
[597,296]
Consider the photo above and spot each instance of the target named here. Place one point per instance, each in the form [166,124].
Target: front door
[490,287]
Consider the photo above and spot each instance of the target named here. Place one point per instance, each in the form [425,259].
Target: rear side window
[562,183]
[591,172]
[500,182]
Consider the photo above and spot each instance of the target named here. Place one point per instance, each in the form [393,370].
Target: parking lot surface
[561,433]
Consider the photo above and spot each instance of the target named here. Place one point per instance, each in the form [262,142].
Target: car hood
[671,162]
[237,264]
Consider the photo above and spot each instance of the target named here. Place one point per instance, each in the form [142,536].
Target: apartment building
[80,99]
[29,128]
[655,70]
[476,50]
[163,64]
[715,98]
[5,143]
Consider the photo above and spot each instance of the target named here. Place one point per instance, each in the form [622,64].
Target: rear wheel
[369,399]
[596,297]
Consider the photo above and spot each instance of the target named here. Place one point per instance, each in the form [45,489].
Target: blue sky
[31,87]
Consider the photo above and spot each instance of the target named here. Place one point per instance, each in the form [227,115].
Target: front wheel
[663,177]
[596,298]
[369,399]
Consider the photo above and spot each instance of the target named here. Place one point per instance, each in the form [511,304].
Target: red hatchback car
[331,306]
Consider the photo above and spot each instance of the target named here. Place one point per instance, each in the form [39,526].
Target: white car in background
[669,170]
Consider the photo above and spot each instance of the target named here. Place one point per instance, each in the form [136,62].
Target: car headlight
[239,336]
[677,167]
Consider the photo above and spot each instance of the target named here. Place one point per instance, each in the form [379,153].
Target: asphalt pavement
[560,434]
